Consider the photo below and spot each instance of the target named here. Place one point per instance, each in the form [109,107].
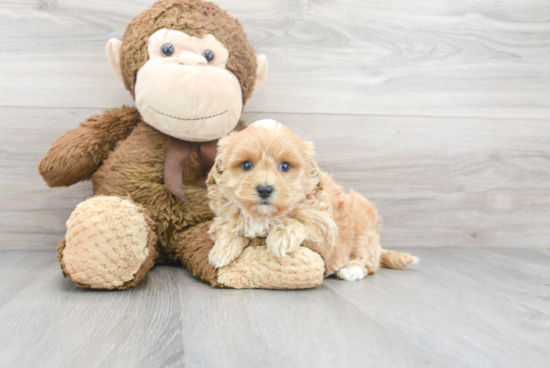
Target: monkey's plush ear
[261,72]
[112,50]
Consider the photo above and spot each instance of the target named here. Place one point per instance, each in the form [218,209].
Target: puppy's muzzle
[264,191]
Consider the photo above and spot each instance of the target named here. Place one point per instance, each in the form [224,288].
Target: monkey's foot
[109,244]
[254,268]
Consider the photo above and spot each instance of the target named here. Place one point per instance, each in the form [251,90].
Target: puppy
[266,183]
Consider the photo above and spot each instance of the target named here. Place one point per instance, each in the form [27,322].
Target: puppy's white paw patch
[353,273]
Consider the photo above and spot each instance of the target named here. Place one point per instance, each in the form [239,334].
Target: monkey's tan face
[184,89]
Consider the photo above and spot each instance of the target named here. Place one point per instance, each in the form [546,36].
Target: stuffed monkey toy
[190,69]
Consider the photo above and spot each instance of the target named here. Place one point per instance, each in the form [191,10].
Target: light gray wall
[438,111]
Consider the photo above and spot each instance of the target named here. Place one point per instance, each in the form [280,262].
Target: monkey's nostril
[264,191]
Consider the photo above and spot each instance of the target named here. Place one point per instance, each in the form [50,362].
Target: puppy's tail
[397,260]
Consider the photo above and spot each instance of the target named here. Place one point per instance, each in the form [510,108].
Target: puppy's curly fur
[302,205]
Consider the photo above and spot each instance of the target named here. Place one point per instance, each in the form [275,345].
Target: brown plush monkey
[191,69]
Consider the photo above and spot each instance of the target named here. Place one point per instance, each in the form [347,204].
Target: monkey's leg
[254,268]
[109,244]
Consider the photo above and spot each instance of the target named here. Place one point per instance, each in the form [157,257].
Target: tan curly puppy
[266,183]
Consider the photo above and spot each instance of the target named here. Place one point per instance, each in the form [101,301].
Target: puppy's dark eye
[167,49]
[284,166]
[247,166]
[208,55]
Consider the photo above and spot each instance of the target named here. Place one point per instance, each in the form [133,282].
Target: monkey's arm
[78,154]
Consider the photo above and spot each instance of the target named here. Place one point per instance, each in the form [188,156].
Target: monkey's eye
[208,55]
[284,166]
[167,49]
[247,166]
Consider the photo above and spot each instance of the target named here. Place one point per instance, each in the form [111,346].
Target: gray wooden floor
[458,308]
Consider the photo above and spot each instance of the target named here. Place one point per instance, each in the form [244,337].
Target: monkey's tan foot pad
[257,268]
[108,245]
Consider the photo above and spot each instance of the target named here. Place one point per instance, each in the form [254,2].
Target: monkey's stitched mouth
[175,117]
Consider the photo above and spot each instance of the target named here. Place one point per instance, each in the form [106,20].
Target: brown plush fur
[305,204]
[125,157]
[78,154]
[193,247]
[136,168]
[133,169]
[196,18]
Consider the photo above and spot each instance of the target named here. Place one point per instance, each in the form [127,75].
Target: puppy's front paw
[225,250]
[283,239]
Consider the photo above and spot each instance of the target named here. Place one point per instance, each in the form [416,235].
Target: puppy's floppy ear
[217,170]
[213,175]
[314,171]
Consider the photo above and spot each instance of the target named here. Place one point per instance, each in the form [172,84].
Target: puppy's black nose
[264,191]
